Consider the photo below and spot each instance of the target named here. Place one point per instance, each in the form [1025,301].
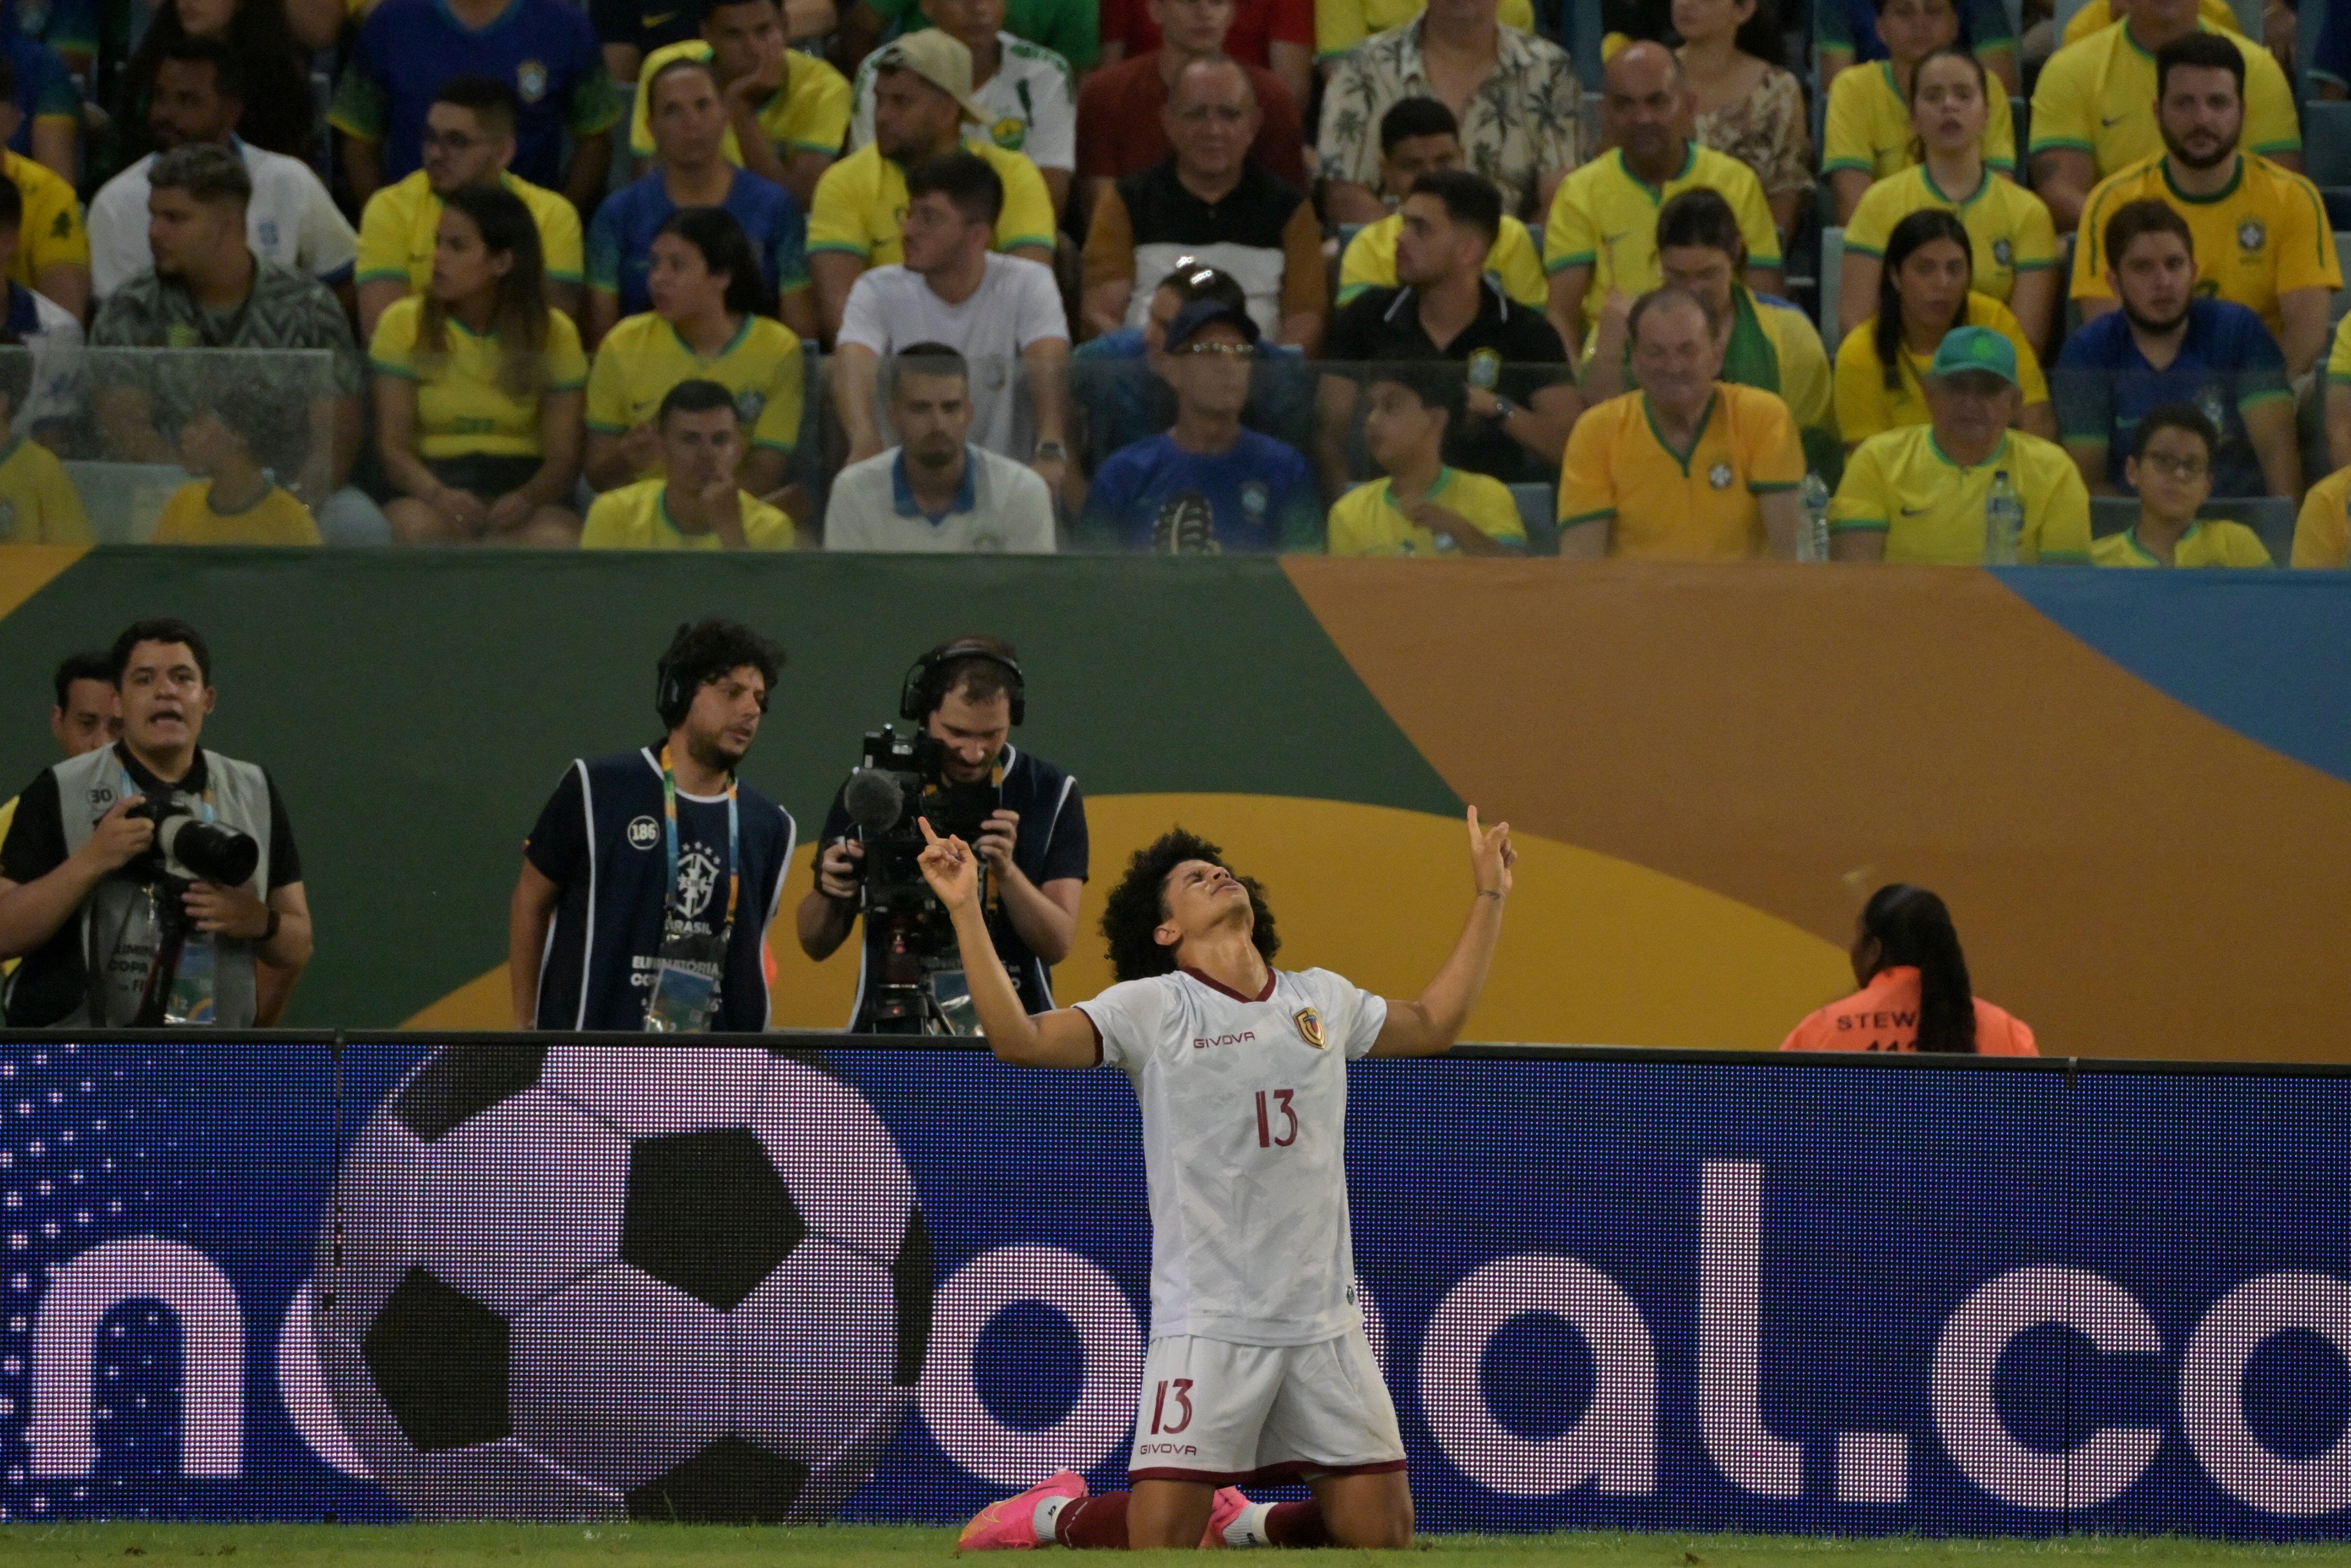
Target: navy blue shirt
[1049,846]
[1256,498]
[2104,386]
[620,240]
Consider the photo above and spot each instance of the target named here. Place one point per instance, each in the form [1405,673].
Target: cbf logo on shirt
[748,406]
[1719,476]
[2252,235]
[531,80]
[697,879]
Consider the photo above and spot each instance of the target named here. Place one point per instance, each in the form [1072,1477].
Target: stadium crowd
[1177,276]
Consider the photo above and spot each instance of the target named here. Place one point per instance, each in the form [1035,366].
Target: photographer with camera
[141,882]
[659,870]
[1023,815]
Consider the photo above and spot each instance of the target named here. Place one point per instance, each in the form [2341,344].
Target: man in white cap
[922,100]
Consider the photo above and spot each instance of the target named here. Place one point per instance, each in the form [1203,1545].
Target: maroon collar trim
[1223,990]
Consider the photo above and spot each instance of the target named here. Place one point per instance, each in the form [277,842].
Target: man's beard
[711,751]
[2148,324]
[2187,160]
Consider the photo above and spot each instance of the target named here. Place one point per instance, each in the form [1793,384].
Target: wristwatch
[1504,407]
[1051,452]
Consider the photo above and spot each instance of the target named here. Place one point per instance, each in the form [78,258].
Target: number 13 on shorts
[1171,1405]
[1277,1123]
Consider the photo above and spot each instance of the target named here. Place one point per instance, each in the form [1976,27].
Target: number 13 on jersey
[1277,1123]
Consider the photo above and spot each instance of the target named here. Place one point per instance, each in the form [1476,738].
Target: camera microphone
[874,801]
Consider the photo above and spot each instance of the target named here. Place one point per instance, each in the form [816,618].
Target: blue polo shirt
[1259,497]
[620,240]
[545,50]
[2228,361]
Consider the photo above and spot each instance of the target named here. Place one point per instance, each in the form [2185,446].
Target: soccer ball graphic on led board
[658,1281]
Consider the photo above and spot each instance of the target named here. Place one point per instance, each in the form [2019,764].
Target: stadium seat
[2326,143]
[1539,509]
[2271,516]
[1580,32]
[1832,282]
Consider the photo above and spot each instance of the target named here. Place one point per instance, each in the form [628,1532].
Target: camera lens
[212,852]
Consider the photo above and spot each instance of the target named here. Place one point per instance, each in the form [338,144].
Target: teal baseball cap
[1975,349]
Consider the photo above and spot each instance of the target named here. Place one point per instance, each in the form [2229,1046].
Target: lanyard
[734,842]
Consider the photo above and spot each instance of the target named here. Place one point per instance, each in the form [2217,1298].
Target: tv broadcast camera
[901,780]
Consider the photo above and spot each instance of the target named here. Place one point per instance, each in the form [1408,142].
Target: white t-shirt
[291,221]
[871,509]
[1244,1143]
[1016,304]
[54,340]
[1031,107]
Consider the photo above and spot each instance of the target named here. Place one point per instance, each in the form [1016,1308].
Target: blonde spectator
[1924,292]
[1869,136]
[1747,108]
[478,387]
[2014,243]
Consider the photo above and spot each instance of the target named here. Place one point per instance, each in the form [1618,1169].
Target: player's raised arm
[1431,1023]
[1058,1039]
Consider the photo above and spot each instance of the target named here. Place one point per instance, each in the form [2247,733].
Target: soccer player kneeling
[1259,1369]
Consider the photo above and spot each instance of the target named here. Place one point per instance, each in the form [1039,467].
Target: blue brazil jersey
[2227,362]
[1255,499]
[621,241]
[600,841]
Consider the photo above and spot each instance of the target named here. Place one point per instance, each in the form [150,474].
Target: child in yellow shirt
[39,503]
[237,501]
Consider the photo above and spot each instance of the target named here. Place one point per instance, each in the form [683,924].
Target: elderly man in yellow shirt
[1690,467]
[696,504]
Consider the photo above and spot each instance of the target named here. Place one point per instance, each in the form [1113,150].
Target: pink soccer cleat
[1224,1507]
[1011,1525]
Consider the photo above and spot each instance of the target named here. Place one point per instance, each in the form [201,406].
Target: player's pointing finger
[931,836]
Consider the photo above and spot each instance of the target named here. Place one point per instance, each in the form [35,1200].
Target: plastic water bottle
[1813,536]
[2003,521]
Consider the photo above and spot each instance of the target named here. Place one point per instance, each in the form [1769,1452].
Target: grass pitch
[140,1545]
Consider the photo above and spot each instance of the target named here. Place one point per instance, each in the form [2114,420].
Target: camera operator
[141,882]
[967,693]
[660,870]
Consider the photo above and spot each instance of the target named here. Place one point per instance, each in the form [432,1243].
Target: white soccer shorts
[1231,1414]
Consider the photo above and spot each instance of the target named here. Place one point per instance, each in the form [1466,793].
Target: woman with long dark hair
[477,387]
[1914,993]
[711,320]
[1925,289]
[280,115]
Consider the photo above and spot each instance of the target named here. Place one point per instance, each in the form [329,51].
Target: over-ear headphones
[671,699]
[921,693]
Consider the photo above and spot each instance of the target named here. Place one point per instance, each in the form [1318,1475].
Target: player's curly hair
[1139,902]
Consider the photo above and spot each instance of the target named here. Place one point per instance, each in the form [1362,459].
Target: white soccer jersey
[1032,106]
[1244,1142]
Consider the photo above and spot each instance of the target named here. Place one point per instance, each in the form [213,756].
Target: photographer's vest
[88,786]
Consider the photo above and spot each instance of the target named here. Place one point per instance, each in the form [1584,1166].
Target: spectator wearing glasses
[787,111]
[2014,246]
[1749,107]
[2170,469]
[1207,485]
[1925,290]
[1278,35]
[2262,234]
[1210,200]
[1917,493]
[1689,468]
[937,492]
[2168,346]
[1420,136]
[688,119]
[1520,124]
[1025,89]
[1121,110]
[1868,135]
[469,144]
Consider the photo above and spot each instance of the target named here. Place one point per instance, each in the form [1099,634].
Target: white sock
[1046,1512]
[1249,1530]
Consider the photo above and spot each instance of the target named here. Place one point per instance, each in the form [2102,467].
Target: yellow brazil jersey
[1699,505]
[2338,357]
[2213,541]
[2009,228]
[1370,261]
[636,516]
[1340,25]
[643,358]
[396,232]
[1606,217]
[1800,362]
[2322,530]
[277,518]
[1866,406]
[52,233]
[460,406]
[2265,234]
[39,503]
[2099,14]
[2099,97]
[862,200]
[810,113]
[1868,125]
[1931,510]
[1366,521]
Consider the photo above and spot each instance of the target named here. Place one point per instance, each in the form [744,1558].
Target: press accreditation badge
[685,987]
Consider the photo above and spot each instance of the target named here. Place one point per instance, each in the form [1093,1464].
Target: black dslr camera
[189,850]
[901,782]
